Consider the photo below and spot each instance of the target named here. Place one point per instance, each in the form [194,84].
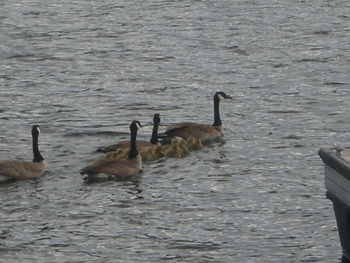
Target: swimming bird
[147,154]
[193,144]
[121,169]
[199,131]
[17,169]
[142,146]
[177,148]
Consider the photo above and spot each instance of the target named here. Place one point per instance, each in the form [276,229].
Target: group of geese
[124,160]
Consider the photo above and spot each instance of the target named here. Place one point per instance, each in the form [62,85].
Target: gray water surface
[84,69]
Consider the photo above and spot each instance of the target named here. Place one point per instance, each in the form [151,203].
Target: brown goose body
[21,169]
[112,168]
[121,169]
[199,131]
[18,170]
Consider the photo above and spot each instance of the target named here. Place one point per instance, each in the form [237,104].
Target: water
[84,69]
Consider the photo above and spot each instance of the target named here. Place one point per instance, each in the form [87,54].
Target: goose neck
[133,148]
[217,120]
[36,153]
[154,138]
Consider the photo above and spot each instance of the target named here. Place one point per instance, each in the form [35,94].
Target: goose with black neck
[18,169]
[200,131]
[117,169]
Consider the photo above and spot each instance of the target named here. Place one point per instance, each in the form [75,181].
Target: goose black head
[35,129]
[222,95]
[135,125]
[156,118]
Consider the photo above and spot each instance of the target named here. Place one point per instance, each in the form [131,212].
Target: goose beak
[228,97]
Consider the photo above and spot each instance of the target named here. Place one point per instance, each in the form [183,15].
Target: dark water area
[83,70]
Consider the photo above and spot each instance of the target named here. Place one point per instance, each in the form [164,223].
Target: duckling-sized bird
[147,153]
[177,148]
[141,145]
[120,169]
[193,144]
[17,169]
[201,132]
[119,154]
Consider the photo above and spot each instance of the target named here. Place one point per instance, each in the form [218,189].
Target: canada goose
[17,169]
[122,169]
[141,145]
[201,132]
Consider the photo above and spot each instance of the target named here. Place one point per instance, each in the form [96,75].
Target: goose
[119,154]
[18,169]
[200,132]
[120,169]
[142,146]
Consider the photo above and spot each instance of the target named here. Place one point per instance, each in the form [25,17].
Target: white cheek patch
[138,125]
[221,97]
[38,129]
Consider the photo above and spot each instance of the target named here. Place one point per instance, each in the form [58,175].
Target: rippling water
[84,69]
